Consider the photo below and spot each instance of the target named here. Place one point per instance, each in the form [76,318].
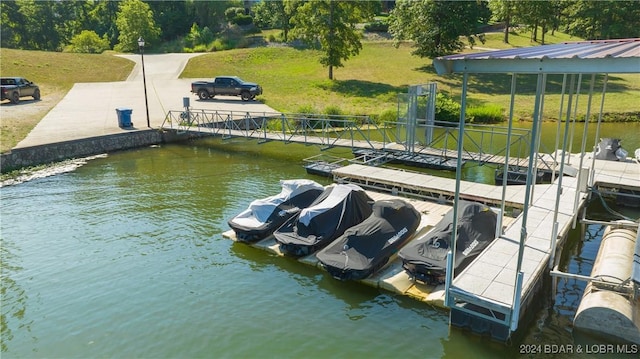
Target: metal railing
[483,143]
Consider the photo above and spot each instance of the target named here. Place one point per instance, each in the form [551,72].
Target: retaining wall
[54,152]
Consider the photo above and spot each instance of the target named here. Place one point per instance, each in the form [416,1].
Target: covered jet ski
[366,247]
[263,216]
[610,149]
[336,209]
[425,259]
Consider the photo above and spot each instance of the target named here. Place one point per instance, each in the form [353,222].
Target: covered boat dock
[493,293]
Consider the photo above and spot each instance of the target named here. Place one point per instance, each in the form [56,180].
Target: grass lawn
[370,83]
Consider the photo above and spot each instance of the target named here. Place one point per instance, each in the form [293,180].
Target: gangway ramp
[355,132]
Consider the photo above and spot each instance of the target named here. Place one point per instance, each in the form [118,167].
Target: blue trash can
[124,116]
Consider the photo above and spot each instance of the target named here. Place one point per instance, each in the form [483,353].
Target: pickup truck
[12,88]
[227,86]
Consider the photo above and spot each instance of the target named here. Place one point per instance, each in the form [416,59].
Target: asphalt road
[89,109]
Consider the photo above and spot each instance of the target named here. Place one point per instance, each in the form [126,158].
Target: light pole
[144,78]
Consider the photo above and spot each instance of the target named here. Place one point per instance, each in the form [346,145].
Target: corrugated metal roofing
[586,57]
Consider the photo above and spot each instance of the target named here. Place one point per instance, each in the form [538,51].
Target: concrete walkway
[89,109]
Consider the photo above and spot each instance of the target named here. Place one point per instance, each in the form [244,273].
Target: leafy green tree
[102,19]
[209,13]
[534,15]
[38,28]
[135,19]
[89,42]
[331,26]
[10,18]
[172,17]
[276,14]
[436,26]
[503,10]
[603,19]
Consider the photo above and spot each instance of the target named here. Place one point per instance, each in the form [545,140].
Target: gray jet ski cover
[263,216]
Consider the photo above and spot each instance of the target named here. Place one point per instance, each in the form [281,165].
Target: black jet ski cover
[366,247]
[610,149]
[336,209]
[425,259]
[263,216]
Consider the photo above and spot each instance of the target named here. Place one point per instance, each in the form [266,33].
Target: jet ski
[339,207]
[263,216]
[610,149]
[366,247]
[425,259]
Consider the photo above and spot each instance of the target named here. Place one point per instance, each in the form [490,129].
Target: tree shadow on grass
[362,88]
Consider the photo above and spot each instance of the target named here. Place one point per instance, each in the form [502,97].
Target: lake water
[124,257]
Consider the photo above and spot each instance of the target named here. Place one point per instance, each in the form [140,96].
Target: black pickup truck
[227,86]
[12,88]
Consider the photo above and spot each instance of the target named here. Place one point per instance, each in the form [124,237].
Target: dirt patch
[17,120]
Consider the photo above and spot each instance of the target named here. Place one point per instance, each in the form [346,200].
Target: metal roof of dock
[581,57]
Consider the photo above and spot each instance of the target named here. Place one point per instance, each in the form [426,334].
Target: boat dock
[484,292]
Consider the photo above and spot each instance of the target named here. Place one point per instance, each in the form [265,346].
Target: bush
[200,48]
[387,116]
[306,110]
[88,42]
[219,45]
[376,26]
[333,111]
[242,20]
[485,114]
[447,109]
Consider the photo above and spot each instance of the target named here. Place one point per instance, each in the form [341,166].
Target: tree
[436,26]
[535,14]
[276,14]
[503,10]
[331,26]
[135,19]
[604,19]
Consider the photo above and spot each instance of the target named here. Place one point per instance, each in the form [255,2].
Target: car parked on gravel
[227,86]
[12,88]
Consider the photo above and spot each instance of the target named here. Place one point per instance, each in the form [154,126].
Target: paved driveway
[89,109]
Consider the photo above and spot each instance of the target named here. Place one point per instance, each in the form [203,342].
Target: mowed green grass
[58,71]
[370,82]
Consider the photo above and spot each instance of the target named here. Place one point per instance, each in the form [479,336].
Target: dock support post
[447,284]
[456,198]
[554,239]
[597,138]
[507,153]
[573,118]
[583,147]
[515,313]
[555,148]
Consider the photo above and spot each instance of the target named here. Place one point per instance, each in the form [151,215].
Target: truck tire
[36,94]
[203,94]
[15,97]
[245,95]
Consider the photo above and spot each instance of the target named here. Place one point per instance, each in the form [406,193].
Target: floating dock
[484,293]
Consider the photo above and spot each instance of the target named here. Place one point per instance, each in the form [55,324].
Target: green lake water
[124,257]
